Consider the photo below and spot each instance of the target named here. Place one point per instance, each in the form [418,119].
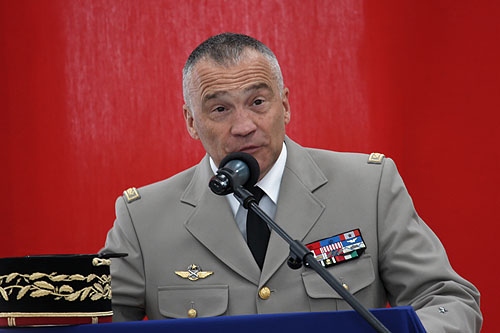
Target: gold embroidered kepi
[55,290]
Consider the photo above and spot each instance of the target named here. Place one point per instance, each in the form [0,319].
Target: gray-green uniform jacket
[179,222]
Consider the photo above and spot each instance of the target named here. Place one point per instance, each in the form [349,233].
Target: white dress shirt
[270,184]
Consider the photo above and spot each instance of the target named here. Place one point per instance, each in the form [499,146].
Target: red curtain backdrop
[91,104]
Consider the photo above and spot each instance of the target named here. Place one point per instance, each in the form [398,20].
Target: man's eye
[220,109]
[258,101]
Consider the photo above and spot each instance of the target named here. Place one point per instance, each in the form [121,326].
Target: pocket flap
[207,300]
[357,274]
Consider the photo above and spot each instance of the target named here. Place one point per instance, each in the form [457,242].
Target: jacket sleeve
[127,274]
[414,266]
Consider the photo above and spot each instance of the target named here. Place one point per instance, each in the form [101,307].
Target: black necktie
[257,231]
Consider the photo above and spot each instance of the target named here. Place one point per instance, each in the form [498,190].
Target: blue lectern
[399,319]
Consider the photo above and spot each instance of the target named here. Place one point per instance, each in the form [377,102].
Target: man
[188,254]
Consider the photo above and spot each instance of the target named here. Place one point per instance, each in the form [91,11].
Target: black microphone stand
[299,254]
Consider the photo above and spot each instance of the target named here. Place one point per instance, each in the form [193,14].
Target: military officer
[188,250]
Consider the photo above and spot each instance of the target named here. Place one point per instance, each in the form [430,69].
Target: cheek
[279,123]
[201,127]
[209,134]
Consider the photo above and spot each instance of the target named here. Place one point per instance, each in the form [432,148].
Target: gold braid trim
[54,314]
[34,286]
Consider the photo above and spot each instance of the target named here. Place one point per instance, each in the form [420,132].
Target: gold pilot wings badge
[193,273]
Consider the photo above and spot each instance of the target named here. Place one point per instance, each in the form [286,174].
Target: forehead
[210,77]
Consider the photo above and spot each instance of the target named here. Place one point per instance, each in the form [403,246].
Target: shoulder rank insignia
[334,250]
[193,273]
[131,194]
[375,158]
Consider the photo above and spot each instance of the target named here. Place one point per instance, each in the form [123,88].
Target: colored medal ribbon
[339,248]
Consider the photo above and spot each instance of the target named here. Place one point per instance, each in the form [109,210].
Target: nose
[243,123]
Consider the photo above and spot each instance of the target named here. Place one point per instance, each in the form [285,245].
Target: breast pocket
[193,301]
[355,275]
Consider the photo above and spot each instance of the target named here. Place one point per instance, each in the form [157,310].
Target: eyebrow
[253,87]
[258,86]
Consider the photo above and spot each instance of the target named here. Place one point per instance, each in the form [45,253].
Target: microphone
[236,169]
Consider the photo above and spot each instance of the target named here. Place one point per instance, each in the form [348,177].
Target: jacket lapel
[298,209]
[212,223]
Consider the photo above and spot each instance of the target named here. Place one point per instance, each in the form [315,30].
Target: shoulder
[346,161]
[167,189]
[318,166]
[357,171]
[354,169]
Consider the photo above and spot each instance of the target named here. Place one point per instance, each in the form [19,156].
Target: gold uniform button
[346,287]
[192,313]
[264,293]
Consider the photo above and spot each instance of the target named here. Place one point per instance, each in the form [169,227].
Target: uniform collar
[270,184]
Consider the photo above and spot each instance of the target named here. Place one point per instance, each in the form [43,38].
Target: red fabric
[91,104]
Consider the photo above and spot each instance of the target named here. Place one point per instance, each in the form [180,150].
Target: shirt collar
[270,184]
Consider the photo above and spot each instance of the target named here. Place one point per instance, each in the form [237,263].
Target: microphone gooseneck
[236,169]
[239,172]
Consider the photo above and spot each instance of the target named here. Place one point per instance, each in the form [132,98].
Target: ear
[188,117]
[286,105]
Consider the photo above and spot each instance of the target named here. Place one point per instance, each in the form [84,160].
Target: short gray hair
[226,49]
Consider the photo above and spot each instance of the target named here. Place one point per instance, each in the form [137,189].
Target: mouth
[250,149]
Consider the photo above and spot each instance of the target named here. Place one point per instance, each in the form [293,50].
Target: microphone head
[250,161]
